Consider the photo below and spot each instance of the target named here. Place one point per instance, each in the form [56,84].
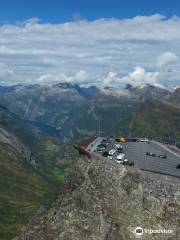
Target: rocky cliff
[10,139]
[105,201]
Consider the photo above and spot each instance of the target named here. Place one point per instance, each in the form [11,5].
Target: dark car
[120,150]
[151,154]
[131,163]
[178,166]
[105,154]
[104,140]
[104,143]
[125,162]
[101,147]
[178,144]
[162,156]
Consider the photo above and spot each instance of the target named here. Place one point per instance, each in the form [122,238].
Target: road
[136,152]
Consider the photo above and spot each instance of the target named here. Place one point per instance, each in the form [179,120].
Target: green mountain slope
[46,150]
[110,112]
[32,168]
[22,191]
[152,119]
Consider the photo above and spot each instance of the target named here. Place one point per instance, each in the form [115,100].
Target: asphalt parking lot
[136,152]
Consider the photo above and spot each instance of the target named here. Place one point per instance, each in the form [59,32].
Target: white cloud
[83,50]
[140,76]
[137,78]
[81,78]
[167,58]
[52,78]
[5,73]
[111,79]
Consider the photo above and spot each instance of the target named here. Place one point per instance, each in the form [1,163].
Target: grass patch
[60,175]
[51,147]
[22,192]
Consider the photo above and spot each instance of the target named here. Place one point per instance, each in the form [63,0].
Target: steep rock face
[10,139]
[103,201]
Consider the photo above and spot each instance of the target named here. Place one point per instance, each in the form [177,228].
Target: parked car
[131,163]
[105,154]
[178,166]
[125,162]
[135,140]
[162,156]
[104,145]
[111,153]
[118,146]
[178,144]
[120,150]
[120,158]
[119,161]
[105,140]
[144,140]
[151,154]
[110,157]
[101,147]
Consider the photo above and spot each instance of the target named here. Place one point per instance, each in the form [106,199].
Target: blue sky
[64,10]
[105,43]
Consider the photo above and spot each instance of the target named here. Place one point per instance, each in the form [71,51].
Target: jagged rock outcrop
[105,201]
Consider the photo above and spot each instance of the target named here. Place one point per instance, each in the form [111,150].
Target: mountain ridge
[58,108]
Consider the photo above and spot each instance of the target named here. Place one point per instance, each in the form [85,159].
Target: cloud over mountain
[139,76]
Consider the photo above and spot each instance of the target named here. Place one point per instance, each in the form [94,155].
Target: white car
[118,146]
[125,162]
[119,161]
[145,140]
[110,157]
[120,158]
[112,152]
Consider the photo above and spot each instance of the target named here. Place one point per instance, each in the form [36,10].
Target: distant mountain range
[70,111]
